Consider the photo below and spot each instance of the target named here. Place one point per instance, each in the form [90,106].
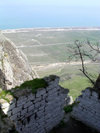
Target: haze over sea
[30,14]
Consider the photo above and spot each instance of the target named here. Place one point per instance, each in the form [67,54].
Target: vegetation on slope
[69,108]
[33,85]
[54,49]
[7,95]
[76,85]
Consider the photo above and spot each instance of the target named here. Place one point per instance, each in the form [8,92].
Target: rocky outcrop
[14,67]
[87,109]
[38,112]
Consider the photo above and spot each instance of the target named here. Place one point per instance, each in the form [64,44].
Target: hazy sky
[52,2]
[49,13]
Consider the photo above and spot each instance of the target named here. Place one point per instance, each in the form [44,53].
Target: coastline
[51,29]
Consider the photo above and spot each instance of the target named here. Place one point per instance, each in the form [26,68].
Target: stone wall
[39,112]
[88,109]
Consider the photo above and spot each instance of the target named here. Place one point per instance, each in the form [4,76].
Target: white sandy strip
[48,29]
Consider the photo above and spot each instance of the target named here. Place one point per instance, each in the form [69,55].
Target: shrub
[4,95]
[69,108]
[62,123]
[33,85]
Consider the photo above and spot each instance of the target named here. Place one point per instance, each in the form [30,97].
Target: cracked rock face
[14,67]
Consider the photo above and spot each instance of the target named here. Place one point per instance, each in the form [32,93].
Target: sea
[48,16]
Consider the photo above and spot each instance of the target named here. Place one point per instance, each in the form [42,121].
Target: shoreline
[51,29]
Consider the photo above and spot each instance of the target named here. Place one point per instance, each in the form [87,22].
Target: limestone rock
[14,67]
[69,100]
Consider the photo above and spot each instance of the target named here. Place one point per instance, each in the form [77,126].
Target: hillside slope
[14,67]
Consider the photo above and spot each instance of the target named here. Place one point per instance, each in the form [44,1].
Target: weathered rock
[69,100]
[14,67]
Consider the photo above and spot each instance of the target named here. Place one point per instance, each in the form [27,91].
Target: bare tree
[96,48]
[79,51]
[83,70]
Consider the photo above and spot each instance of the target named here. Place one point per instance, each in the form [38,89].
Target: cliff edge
[14,67]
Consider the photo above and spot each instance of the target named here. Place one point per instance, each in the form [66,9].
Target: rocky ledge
[14,67]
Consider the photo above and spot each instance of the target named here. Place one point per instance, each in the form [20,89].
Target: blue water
[48,16]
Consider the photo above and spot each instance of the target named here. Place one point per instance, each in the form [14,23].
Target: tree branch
[82,61]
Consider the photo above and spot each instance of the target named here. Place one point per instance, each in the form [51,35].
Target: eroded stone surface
[14,67]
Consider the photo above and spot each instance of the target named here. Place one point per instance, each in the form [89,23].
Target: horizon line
[64,27]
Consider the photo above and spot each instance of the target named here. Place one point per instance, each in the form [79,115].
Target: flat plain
[47,50]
